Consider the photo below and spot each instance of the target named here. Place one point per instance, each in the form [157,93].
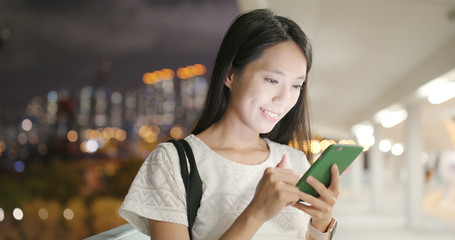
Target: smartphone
[340,154]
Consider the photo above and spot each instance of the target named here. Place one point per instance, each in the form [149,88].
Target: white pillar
[248,5]
[357,177]
[376,160]
[414,166]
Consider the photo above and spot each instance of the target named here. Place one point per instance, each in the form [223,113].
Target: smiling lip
[272,116]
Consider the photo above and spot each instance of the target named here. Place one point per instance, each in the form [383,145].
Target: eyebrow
[282,73]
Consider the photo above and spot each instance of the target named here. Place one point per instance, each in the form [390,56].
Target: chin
[266,130]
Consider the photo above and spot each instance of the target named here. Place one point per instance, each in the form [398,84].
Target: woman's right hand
[276,190]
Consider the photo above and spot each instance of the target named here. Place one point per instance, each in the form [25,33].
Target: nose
[281,96]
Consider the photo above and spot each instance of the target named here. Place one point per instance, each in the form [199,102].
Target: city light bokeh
[70,160]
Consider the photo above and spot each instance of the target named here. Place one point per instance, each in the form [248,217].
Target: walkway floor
[357,221]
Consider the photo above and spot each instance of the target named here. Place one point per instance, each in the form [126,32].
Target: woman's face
[268,87]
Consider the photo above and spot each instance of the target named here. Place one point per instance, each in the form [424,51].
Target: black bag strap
[191,180]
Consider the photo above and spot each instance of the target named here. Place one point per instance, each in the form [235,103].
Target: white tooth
[274,115]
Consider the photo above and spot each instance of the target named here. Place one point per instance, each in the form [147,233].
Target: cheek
[295,98]
[253,99]
[263,95]
[247,98]
[255,93]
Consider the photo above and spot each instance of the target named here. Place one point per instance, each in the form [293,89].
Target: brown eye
[299,87]
[271,80]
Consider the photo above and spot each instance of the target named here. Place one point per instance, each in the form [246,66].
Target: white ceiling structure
[373,54]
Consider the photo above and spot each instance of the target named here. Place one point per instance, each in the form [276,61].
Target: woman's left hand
[321,208]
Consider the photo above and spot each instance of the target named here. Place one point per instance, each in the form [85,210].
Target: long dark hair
[245,41]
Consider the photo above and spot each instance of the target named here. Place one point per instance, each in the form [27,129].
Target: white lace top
[158,192]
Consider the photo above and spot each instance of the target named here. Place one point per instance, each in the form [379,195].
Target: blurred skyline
[87,90]
[55,45]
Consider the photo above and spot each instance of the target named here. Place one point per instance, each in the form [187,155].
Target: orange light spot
[193,70]
[93,134]
[150,137]
[181,74]
[142,130]
[120,134]
[169,73]
[176,132]
[187,72]
[108,132]
[149,78]
[200,69]
[161,75]
[157,76]
[343,141]
[156,129]
[83,146]
[72,136]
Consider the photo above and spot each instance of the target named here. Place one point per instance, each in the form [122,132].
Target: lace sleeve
[157,192]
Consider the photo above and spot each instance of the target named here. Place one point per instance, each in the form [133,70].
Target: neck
[228,133]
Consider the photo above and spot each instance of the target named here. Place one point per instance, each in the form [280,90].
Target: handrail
[123,232]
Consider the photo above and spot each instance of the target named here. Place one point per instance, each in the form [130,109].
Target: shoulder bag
[191,180]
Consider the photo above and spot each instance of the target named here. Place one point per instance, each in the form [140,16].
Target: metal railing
[123,232]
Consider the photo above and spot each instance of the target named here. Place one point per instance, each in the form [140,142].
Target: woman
[256,104]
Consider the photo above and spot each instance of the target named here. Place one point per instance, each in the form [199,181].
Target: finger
[287,177]
[280,171]
[283,171]
[324,193]
[316,203]
[287,171]
[275,175]
[284,163]
[335,182]
[306,206]
[317,207]
[286,193]
[310,210]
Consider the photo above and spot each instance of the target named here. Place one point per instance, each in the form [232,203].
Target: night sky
[59,45]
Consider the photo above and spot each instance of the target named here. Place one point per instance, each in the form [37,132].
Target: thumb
[284,163]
